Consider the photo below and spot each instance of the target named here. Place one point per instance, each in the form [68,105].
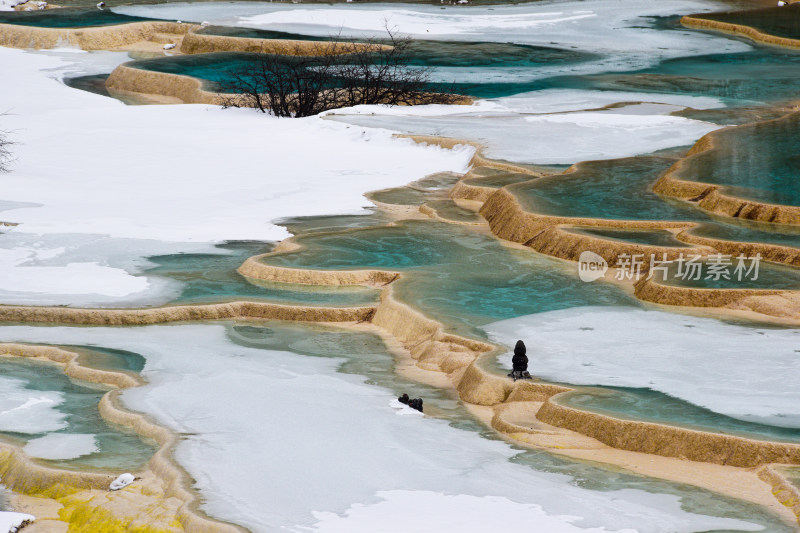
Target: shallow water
[118,449]
[652,238]
[67,18]
[759,162]
[457,275]
[768,275]
[622,190]
[654,406]
[208,278]
[761,75]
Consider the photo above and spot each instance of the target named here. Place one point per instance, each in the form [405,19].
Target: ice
[401,511]
[59,446]
[70,279]
[10,521]
[188,175]
[605,27]
[273,439]
[29,411]
[554,126]
[550,139]
[748,373]
[8,5]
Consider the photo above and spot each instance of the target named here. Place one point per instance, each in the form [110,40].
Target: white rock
[121,482]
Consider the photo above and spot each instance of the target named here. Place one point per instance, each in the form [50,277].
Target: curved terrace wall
[89,38]
[740,30]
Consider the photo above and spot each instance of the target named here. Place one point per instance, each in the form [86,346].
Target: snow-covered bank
[744,372]
[541,129]
[277,440]
[89,168]
[10,522]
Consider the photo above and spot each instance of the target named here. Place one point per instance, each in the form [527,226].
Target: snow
[8,5]
[540,139]
[605,27]
[402,409]
[748,373]
[29,411]
[59,446]
[401,511]
[10,521]
[277,440]
[122,481]
[187,175]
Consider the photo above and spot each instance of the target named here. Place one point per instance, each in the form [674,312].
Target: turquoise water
[498,179]
[443,53]
[208,278]
[764,74]
[449,210]
[769,276]
[753,232]
[780,21]
[759,162]
[621,189]
[618,189]
[215,68]
[460,276]
[108,358]
[652,238]
[119,449]
[66,18]
[654,406]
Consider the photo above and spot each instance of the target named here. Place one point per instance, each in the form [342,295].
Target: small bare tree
[315,78]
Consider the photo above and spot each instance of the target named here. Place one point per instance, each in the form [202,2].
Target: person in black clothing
[520,363]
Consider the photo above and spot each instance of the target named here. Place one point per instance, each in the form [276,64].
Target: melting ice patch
[29,411]
[550,138]
[272,437]
[747,373]
[57,446]
[402,511]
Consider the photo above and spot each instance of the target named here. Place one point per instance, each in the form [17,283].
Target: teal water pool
[209,278]
[462,277]
[759,162]
[723,275]
[646,237]
[762,75]
[67,18]
[653,406]
[118,449]
[621,189]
